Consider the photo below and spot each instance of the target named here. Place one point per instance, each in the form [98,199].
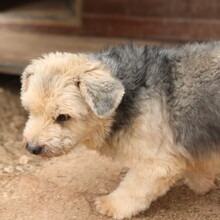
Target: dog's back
[194,103]
[189,79]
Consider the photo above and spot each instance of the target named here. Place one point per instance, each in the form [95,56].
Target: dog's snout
[34,149]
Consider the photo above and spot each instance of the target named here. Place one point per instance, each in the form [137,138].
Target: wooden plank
[205,9]
[46,13]
[20,47]
[46,8]
[151,27]
[134,27]
[113,7]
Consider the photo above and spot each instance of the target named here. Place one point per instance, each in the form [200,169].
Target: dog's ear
[101,91]
[25,79]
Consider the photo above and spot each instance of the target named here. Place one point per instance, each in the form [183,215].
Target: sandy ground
[64,188]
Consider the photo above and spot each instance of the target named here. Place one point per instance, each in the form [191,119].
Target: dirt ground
[64,188]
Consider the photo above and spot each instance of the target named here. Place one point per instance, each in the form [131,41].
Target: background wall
[155,19]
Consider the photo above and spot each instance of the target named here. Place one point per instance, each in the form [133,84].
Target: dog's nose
[34,149]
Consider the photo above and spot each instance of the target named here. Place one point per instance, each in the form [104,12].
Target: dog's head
[67,96]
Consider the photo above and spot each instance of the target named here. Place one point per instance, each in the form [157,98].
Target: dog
[155,109]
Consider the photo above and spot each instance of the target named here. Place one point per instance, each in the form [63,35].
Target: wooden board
[191,9]
[153,19]
[44,13]
[18,48]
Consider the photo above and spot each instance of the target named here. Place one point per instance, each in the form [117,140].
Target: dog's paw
[113,207]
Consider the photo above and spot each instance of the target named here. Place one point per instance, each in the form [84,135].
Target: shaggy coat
[187,80]
[155,109]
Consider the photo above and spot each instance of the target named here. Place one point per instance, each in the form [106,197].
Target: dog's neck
[97,137]
[143,74]
[141,70]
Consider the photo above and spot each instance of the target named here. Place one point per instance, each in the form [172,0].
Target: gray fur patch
[187,78]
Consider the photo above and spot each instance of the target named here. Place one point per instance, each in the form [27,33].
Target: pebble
[23,160]
[5,195]
[19,168]
[9,169]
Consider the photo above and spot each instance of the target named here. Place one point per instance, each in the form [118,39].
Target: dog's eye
[62,118]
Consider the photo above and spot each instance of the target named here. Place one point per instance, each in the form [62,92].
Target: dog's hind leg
[142,184]
[200,181]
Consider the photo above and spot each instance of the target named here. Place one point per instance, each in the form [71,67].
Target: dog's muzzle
[34,149]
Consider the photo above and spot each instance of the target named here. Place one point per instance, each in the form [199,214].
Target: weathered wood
[205,9]
[153,19]
[151,27]
[169,20]
[18,48]
[41,13]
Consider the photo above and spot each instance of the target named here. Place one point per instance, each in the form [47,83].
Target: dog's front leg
[142,184]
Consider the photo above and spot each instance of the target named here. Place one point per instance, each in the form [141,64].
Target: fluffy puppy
[157,110]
